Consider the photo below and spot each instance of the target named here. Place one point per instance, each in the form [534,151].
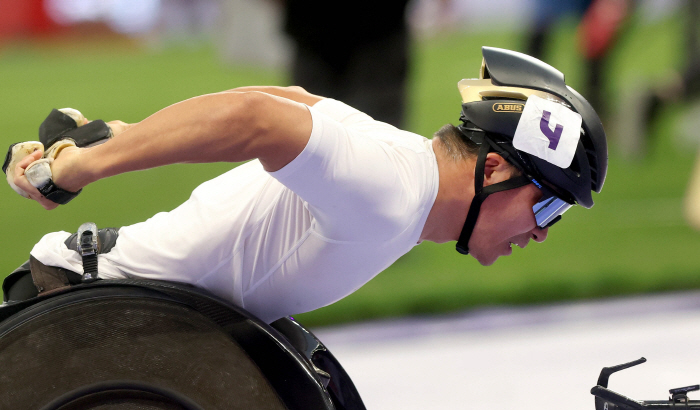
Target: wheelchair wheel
[132,348]
[122,395]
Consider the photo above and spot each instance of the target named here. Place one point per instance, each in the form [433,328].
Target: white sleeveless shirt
[290,241]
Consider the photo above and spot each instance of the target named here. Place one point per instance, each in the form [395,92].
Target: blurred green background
[633,241]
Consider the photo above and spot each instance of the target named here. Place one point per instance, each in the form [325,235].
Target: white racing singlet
[290,241]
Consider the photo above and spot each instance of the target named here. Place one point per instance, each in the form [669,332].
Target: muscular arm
[230,126]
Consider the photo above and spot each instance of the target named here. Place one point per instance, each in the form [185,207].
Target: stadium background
[633,241]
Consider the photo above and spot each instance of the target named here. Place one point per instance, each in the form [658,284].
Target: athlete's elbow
[237,114]
[247,121]
[255,115]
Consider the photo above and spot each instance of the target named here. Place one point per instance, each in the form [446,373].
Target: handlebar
[606,399]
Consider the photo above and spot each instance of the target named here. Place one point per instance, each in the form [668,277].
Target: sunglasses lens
[549,210]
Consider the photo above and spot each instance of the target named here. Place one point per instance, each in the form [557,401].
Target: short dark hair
[457,146]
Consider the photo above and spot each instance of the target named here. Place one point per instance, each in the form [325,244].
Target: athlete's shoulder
[341,112]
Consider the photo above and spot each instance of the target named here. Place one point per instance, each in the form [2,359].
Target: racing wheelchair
[155,345]
[606,399]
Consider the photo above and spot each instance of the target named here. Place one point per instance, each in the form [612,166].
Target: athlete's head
[520,112]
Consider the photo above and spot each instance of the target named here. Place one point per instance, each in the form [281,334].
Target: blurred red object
[600,25]
[25,18]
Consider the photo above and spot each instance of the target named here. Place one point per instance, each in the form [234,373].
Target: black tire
[107,347]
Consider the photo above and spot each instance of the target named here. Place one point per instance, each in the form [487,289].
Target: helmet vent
[575,167]
[592,162]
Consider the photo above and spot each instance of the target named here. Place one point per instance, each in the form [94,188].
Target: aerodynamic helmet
[515,108]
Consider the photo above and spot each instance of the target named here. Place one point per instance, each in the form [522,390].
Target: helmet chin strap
[480,194]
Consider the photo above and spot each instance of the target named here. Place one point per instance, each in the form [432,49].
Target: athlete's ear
[496,169]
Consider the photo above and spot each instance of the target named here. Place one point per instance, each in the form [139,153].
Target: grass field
[634,240]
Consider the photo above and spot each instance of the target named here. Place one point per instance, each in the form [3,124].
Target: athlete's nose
[539,234]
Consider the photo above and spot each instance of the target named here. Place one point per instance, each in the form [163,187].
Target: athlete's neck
[455,193]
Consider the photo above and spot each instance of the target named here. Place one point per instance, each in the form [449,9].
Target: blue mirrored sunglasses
[549,209]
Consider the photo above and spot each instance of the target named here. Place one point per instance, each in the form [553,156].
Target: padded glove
[62,128]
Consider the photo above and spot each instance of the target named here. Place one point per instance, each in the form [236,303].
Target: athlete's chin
[488,259]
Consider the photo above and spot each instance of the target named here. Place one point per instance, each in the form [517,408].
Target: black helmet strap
[480,195]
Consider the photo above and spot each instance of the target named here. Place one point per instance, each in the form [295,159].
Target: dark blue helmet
[492,106]
[508,77]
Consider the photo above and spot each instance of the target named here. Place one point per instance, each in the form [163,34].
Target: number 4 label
[548,130]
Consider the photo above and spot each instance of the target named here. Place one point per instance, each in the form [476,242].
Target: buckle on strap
[88,250]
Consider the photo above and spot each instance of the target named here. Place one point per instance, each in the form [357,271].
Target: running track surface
[523,358]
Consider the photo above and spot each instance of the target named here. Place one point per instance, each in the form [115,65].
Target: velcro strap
[58,126]
[58,195]
[89,134]
[55,124]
